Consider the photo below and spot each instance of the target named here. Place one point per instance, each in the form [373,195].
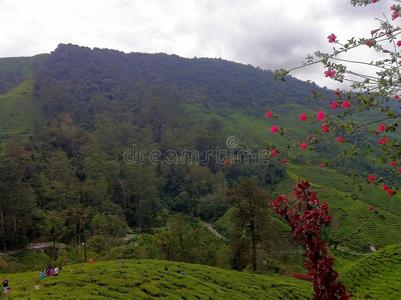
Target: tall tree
[248,217]
[17,199]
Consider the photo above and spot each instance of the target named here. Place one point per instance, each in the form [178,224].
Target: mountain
[71,118]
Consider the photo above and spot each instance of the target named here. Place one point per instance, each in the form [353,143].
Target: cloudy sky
[266,33]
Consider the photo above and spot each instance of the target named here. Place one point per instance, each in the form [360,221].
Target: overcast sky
[266,33]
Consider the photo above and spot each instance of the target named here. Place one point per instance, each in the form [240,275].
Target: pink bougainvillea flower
[396,97]
[346,104]
[370,43]
[371,178]
[381,127]
[322,165]
[303,117]
[396,12]
[340,139]
[269,114]
[374,31]
[390,192]
[392,163]
[384,140]
[374,1]
[333,104]
[385,187]
[320,116]
[273,153]
[330,73]
[275,129]
[399,170]
[303,146]
[325,128]
[332,38]
[399,43]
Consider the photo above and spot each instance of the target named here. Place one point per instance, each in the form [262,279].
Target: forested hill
[68,118]
[215,83]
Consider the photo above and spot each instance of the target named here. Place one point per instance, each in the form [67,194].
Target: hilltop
[148,279]
[372,277]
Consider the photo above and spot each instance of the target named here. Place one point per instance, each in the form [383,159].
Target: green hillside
[13,70]
[94,105]
[148,279]
[19,110]
[376,276]
[354,225]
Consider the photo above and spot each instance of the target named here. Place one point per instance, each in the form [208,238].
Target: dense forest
[64,178]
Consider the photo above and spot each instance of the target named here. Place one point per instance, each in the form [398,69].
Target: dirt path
[214,231]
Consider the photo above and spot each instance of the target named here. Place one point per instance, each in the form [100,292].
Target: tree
[248,217]
[140,200]
[17,198]
[53,228]
[307,218]
[77,219]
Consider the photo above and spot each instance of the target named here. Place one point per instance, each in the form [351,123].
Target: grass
[147,279]
[354,225]
[19,110]
[376,276]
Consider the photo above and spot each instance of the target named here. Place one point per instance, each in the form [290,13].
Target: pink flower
[399,43]
[370,43]
[346,104]
[269,114]
[273,153]
[384,140]
[371,178]
[399,170]
[322,165]
[330,73]
[325,128]
[392,163]
[396,97]
[333,104]
[396,12]
[303,146]
[332,38]
[374,1]
[374,31]
[340,139]
[275,129]
[381,127]
[303,117]
[390,192]
[385,187]
[284,161]
[320,116]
